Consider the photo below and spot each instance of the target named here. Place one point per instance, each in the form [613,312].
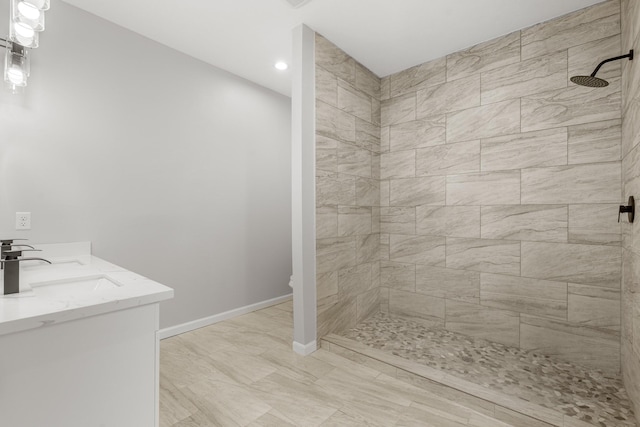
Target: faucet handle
[6,242]
[22,245]
[14,253]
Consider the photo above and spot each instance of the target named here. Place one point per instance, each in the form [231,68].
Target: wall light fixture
[27,21]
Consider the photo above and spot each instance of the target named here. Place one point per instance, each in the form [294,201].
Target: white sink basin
[56,265]
[77,286]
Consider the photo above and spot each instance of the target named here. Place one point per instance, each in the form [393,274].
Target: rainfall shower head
[589,81]
[592,80]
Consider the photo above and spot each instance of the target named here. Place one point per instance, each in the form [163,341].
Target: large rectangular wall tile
[429,250]
[398,220]
[326,222]
[385,136]
[546,223]
[416,305]
[501,118]
[585,264]
[367,248]
[449,221]
[367,192]
[525,150]
[399,164]
[385,240]
[326,86]
[481,322]
[334,60]
[485,56]
[573,105]
[630,9]
[335,189]
[385,189]
[418,133]
[447,283]
[335,254]
[326,154]
[399,276]
[354,101]
[631,78]
[446,159]
[334,123]
[594,224]
[376,111]
[631,372]
[418,191]
[579,344]
[385,88]
[525,78]
[584,58]
[367,82]
[354,160]
[585,25]
[630,125]
[354,220]
[418,77]
[354,280]
[489,256]
[593,183]
[533,296]
[326,284]
[367,303]
[447,97]
[367,135]
[595,142]
[398,110]
[485,188]
[336,315]
[594,306]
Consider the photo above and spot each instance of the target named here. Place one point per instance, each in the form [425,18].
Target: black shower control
[630,209]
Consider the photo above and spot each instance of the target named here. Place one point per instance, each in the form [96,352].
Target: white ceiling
[246,37]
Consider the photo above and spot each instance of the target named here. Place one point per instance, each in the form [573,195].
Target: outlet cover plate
[23,220]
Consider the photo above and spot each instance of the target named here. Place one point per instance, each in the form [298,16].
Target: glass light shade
[23,12]
[23,35]
[16,67]
[40,4]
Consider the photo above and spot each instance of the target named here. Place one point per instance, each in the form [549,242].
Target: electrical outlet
[23,220]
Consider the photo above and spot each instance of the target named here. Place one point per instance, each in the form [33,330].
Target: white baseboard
[210,320]
[305,349]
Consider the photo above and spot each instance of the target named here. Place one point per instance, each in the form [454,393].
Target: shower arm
[628,55]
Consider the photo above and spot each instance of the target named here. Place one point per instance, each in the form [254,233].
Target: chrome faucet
[12,261]
[7,245]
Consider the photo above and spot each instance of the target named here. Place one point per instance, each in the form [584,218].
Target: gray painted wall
[171,167]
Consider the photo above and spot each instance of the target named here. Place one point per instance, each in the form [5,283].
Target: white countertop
[72,263]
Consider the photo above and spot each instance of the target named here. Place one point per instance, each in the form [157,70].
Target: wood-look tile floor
[243,372]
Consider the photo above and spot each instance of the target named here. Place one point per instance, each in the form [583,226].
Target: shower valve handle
[630,209]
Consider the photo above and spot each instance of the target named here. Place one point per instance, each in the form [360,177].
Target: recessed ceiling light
[281,65]
[297,3]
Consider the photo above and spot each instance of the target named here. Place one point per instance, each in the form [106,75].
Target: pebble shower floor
[585,393]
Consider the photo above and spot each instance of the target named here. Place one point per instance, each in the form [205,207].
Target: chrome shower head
[592,80]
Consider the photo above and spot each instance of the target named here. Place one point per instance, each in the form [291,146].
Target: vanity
[78,343]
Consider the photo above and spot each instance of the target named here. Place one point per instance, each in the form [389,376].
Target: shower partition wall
[347,189]
[481,192]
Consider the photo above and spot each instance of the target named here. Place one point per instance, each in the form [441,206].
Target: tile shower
[478,193]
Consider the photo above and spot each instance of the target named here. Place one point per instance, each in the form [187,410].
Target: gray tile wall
[348,216]
[499,186]
[479,191]
[631,186]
